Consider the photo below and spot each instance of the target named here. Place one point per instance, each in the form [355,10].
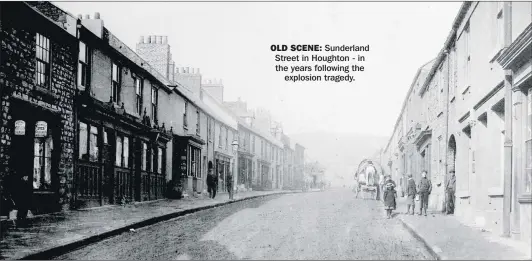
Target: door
[22,151]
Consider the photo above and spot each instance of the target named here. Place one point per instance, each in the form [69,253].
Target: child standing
[389,196]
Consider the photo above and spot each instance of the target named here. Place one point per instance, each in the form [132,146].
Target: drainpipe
[507,199]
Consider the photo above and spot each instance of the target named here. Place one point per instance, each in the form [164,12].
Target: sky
[231,41]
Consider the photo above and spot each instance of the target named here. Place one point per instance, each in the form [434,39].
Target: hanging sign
[20,127]
[41,129]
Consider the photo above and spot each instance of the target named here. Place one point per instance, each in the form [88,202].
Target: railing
[145,185]
[89,180]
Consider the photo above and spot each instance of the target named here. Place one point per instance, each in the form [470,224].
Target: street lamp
[235,171]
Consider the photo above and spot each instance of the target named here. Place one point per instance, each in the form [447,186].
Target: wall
[17,80]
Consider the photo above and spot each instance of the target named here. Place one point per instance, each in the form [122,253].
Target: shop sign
[20,127]
[41,129]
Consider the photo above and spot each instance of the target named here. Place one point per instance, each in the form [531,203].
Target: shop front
[120,158]
[222,168]
[187,162]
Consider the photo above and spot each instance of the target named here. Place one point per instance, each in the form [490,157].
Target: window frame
[43,141]
[198,123]
[88,150]
[116,83]
[123,158]
[44,45]
[139,94]
[185,115]
[154,103]
[83,67]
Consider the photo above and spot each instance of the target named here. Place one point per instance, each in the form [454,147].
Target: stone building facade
[37,90]
[474,114]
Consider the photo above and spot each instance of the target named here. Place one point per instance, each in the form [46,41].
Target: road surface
[315,225]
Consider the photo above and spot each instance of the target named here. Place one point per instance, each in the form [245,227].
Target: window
[43,61]
[198,125]
[42,163]
[220,137]
[144,158]
[88,142]
[139,86]
[154,103]
[159,160]
[209,129]
[185,121]
[528,170]
[122,151]
[115,88]
[226,139]
[83,66]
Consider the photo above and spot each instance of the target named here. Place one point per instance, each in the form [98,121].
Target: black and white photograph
[265,130]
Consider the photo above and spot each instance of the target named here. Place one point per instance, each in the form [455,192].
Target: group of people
[212,183]
[422,190]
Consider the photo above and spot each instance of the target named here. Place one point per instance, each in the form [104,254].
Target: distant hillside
[340,153]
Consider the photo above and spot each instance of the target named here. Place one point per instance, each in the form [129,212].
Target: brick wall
[17,74]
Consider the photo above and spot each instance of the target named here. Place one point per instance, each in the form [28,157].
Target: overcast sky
[231,41]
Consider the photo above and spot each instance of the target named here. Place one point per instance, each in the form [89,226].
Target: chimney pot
[147,39]
[165,39]
[159,39]
[80,17]
[188,69]
[141,40]
[97,15]
[198,71]
[152,39]
[87,16]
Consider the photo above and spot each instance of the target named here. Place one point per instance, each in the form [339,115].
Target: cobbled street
[316,225]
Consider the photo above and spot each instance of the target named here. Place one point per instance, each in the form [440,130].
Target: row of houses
[94,122]
[470,110]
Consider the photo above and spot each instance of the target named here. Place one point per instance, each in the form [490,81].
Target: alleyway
[322,225]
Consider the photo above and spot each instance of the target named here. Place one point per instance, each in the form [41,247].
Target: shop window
[160,160]
[43,61]
[122,151]
[83,66]
[139,86]
[115,88]
[42,162]
[528,170]
[88,142]
[144,158]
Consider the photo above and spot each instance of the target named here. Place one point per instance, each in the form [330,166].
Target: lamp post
[235,171]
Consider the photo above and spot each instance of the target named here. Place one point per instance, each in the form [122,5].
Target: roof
[220,113]
[137,60]
[423,68]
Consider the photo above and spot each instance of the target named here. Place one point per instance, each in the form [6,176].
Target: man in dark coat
[411,194]
[211,185]
[425,188]
[450,188]
[229,184]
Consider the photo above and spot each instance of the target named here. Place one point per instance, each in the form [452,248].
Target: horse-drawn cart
[367,180]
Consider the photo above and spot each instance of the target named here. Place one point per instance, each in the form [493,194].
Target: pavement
[330,224]
[52,234]
[449,239]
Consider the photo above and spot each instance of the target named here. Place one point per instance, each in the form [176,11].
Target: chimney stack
[87,16]
[165,39]
[141,40]
[80,17]
[96,15]
[152,39]
[159,39]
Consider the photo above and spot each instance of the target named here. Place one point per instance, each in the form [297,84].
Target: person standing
[210,183]
[450,188]
[389,196]
[411,194]
[229,184]
[425,188]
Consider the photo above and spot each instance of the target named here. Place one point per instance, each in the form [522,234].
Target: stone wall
[17,76]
